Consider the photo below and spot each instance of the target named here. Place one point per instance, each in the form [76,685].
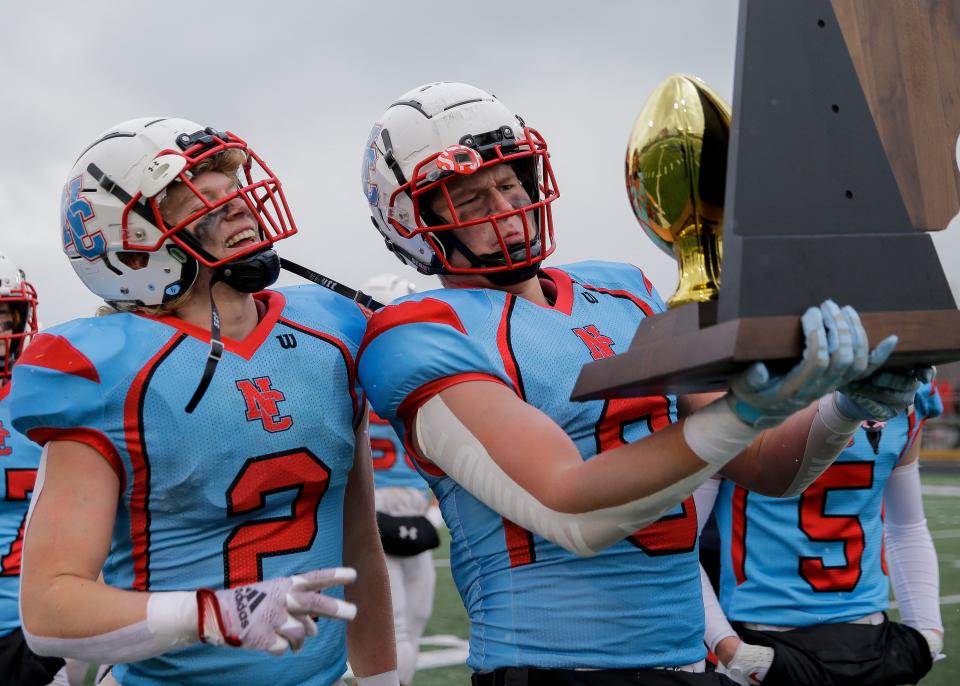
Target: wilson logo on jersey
[75,212]
[262,401]
[600,346]
[4,435]
[287,341]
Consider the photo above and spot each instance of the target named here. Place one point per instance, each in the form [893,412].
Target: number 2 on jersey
[248,543]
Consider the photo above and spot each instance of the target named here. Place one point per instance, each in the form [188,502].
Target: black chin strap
[508,277]
[216,352]
[358,297]
[216,344]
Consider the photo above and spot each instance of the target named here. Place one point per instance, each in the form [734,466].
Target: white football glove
[934,642]
[881,396]
[835,352]
[749,665]
[272,615]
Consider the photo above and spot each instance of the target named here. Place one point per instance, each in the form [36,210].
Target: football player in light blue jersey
[806,580]
[19,459]
[403,502]
[205,443]
[573,529]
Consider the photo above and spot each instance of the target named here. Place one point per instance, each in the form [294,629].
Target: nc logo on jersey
[600,346]
[75,212]
[261,401]
[4,435]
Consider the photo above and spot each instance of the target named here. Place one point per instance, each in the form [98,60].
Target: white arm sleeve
[909,548]
[717,627]
[705,496]
[444,440]
[171,623]
[829,434]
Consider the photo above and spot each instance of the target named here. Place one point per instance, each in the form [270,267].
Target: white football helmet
[21,297]
[433,134]
[385,288]
[111,218]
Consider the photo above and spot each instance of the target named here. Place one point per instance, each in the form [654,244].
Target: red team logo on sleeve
[262,401]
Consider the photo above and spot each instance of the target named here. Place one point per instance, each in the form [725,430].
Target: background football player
[805,579]
[403,500]
[220,511]
[567,573]
[19,459]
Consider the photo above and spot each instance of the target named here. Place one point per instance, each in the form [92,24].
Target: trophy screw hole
[821,23]
[835,108]
[849,195]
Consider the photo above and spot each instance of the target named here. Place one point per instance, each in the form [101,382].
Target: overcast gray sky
[304,81]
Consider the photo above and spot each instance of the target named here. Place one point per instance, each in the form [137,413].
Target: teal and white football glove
[835,353]
[881,396]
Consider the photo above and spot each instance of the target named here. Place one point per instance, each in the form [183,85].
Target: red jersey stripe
[137,449]
[506,350]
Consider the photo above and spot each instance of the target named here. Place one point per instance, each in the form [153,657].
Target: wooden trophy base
[684,350]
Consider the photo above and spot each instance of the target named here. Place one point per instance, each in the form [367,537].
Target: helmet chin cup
[252,273]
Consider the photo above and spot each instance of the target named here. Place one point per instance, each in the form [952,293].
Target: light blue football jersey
[19,459]
[816,558]
[250,486]
[392,466]
[530,602]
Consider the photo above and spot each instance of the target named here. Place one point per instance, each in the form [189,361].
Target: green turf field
[942,503]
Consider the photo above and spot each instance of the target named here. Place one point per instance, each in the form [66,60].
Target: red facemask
[261,191]
[23,305]
[530,159]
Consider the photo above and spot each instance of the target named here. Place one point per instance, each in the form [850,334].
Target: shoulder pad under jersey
[77,374]
[323,310]
[426,337]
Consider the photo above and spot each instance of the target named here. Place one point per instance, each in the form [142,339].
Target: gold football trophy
[675,170]
[805,194]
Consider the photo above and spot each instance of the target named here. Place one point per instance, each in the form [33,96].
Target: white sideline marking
[441,562]
[940,489]
[454,652]
[444,641]
[945,533]
[944,600]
